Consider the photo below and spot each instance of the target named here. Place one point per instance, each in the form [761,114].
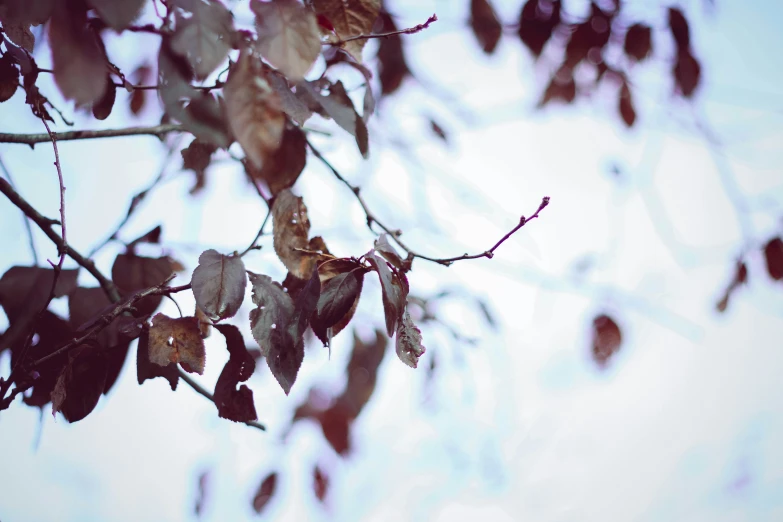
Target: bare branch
[32,139]
[26,220]
[410,30]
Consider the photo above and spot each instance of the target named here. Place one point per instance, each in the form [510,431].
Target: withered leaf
[232,403]
[18,15]
[290,103]
[625,105]
[350,18]
[334,267]
[118,14]
[9,77]
[264,492]
[408,344]
[53,332]
[152,237]
[288,36]
[146,369]
[102,109]
[177,341]
[253,109]
[561,87]
[606,339]
[269,320]
[78,58]
[320,483]
[219,284]
[638,42]
[537,22]
[687,73]
[203,36]
[485,24]
[385,248]
[394,291]
[304,307]
[132,273]
[339,107]
[139,97]
[290,230]
[281,170]
[392,67]
[773,255]
[679,28]
[338,297]
[362,372]
[80,383]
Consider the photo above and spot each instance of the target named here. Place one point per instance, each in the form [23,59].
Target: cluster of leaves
[604,46]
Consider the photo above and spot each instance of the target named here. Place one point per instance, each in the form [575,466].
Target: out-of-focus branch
[32,139]
[26,220]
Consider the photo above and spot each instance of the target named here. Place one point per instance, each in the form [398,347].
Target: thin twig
[395,234]
[32,139]
[410,30]
[200,389]
[28,228]
[260,233]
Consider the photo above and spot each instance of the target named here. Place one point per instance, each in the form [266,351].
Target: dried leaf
[362,372]
[177,341]
[320,483]
[687,73]
[9,77]
[203,36]
[102,109]
[625,105]
[680,30]
[118,14]
[146,369]
[253,109]
[18,15]
[232,403]
[80,383]
[152,237]
[291,228]
[288,36]
[264,492]
[773,255]
[273,313]
[338,297]
[282,169]
[485,24]
[78,58]
[339,107]
[408,343]
[537,22]
[290,103]
[638,42]
[392,67]
[53,332]
[384,248]
[606,339]
[394,291]
[350,18]
[592,34]
[139,96]
[219,284]
[561,87]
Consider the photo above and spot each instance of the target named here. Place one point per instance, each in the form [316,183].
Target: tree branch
[410,30]
[26,220]
[395,234]
[32,139]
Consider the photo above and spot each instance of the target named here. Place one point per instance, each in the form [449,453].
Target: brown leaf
[80,383]
[384,248]
[132,273]
[253,109]
[288,36]
[687,73]
[152,237]
[606,339]
[118,14]
[625,105]
[338,297]
[561,87]
[282,169]
[408,344]
[177,341]
[320,483]
[394,291]
[362,372]
[204,322]
[291,228]
[102,109]
[203,35]
[638,42]
[232,403]
[78,58]
[537,21]
[18,15]
[773,255]
[53,332]
[350,18]
[680,30]
[219,283]
[264,492]
[290,103]
[338,105]
[273,313]
[392,67]
[146,369]
[485,24]
[138,97]
[9,77]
